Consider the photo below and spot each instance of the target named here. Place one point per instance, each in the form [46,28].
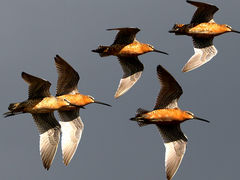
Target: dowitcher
[203,29]
[167,117]
[41,105]
[127,49]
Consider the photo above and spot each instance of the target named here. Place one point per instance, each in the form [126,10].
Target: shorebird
[167,117]
[203,29]
[41,105]
[127,49]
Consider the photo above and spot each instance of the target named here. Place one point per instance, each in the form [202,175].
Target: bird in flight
[127,49]
[203,29]
[167,117]
[41,104]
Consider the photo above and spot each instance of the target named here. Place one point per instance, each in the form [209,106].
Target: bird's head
[190,115]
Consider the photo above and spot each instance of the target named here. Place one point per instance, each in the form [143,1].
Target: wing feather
[72,128]
[38,88]
[132,70]
[125,35]
[204,51]
[67,77]
[204,12]
[49,130]
[175,144]
[170,91]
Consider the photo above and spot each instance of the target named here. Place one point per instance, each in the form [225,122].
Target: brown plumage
[127,49]
[167,117]
[41,105]
[70,120]
[203,29]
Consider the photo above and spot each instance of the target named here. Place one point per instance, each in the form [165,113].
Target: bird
[41,105]
[127,49]
[203,29]
[167,116]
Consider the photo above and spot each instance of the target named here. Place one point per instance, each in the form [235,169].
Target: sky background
[32,32]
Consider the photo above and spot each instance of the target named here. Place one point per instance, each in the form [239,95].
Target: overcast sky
[32,32]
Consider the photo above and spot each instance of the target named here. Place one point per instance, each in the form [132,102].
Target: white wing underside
[200,57]
[72,128]
[175,144]
[126,83]
[48,146]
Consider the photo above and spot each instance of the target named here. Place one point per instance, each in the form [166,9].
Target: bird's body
[50,104]
[44,105]
[127,49]
[202,29]
[164,116]
[41,105]
[167,116]
[134,49]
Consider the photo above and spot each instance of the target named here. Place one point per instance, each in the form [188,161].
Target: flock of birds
[166,115]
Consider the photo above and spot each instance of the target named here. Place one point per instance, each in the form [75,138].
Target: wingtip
[57,58]
[24,74]
[66,162]
[117,95]
[123,28]
[184,69]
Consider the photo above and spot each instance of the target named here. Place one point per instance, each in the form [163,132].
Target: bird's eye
[190,113]
[150,46]
[228,26]
[91,97]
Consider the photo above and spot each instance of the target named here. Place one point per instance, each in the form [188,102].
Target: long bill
[235,31]
[98,102]
[201,119]
[155,50]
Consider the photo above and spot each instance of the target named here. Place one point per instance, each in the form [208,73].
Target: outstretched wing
[72,128]
[67,77]
[204,52]
[125,35]
[170,91]
[38,88]
[175,144]
[49,130]
[204,12]
[132,70]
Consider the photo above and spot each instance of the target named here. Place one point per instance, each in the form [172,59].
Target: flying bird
[41,105]
[203,29]
[127,49]
[167,117]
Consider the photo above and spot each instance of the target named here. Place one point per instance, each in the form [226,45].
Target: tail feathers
[13,106]
[140,120]
[13,110]
[141,124]
[102,50]
[9,113]
[141,111]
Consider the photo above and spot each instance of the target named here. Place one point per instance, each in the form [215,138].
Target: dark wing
[49,130]
[175,143]
[204,12]
[38,88]
[204,52]
[132,70]
[67,77]
[72,128]
[125,35]
[170,91]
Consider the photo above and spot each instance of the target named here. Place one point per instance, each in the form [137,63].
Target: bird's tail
[13,110]
[102,50]
[140,120]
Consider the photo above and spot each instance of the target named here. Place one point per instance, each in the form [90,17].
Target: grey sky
[112,147]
